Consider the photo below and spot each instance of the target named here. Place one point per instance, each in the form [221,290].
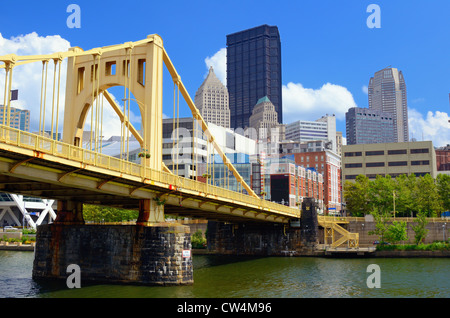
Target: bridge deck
[37,166]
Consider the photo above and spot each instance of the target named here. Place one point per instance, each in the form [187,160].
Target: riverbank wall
[438,229]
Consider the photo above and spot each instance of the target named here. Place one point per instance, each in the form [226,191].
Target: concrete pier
[150,255]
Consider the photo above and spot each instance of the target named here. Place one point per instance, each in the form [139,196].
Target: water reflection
[239,277]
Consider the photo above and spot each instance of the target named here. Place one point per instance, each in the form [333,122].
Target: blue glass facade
[253,71]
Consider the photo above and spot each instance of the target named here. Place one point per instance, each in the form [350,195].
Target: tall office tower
[368,126]
[387,93]
[212,101]
[253,71]
[264,118]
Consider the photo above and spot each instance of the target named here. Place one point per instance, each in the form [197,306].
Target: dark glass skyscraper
[253,71]
[368,126]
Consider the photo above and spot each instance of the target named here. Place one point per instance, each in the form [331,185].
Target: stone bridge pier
[148,253]
[300,237]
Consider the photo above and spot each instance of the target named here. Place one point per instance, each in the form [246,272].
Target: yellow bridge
[35,165]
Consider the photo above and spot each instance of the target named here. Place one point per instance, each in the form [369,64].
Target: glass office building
[368,126]
[253,71]
[387,93]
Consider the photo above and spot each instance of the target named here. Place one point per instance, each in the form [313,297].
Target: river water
[272,277]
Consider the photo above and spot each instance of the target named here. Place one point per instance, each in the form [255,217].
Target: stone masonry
[149,255]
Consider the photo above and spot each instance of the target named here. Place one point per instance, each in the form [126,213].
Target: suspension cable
[178,126]
[129,106]
[97,101]
[57,103]
[92,103]
[9,95]
[53,98]
[6,93]
[45,97]
[101,125]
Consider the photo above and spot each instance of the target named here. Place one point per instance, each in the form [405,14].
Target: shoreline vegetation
[435,246]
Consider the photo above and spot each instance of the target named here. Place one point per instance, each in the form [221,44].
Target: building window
[397,152]
[420,163]
[423,150]
[397,163]
[374,164]
[353,154]
[353,165]
[375,153]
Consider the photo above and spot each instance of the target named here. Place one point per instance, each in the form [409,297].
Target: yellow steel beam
[196,113]
[122,117]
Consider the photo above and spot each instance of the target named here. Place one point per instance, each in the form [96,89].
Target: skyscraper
[212,101]
[253,71]
[368,126]
[264,118]
[387,93]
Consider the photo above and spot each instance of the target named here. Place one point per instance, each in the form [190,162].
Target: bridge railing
[23,139]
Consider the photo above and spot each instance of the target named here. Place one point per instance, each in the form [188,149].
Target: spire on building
[211,99]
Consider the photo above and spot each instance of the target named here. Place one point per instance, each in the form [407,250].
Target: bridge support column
[69,212]
[150,211]
[127,254]
[309,224]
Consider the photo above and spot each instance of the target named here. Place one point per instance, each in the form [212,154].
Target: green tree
[98,213]
[427,197]
[404,188]
[396,232]
[420,232]
[381,193]
[198,240]
[443,188]
[356,195]
[381,225]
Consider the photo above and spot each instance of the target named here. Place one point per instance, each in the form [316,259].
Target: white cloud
[219,63]
[365,89]
[434,127]
[27,79]
[300,103]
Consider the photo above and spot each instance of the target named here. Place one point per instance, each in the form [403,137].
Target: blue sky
[323,42]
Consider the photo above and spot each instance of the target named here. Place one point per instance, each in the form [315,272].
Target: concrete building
[443,159]
[264,118]
[211,100]
[289,146]
[327,163]
[20,118]
[253,71]
[387,93]
[323,128]
[182,150]
[288,183]
[392,159]
[339,142]
[275,179]
[368,126]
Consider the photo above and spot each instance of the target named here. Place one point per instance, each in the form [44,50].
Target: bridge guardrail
[60,149]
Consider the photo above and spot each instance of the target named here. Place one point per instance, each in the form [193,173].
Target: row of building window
[390,152]
[393,175]
[390,164]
